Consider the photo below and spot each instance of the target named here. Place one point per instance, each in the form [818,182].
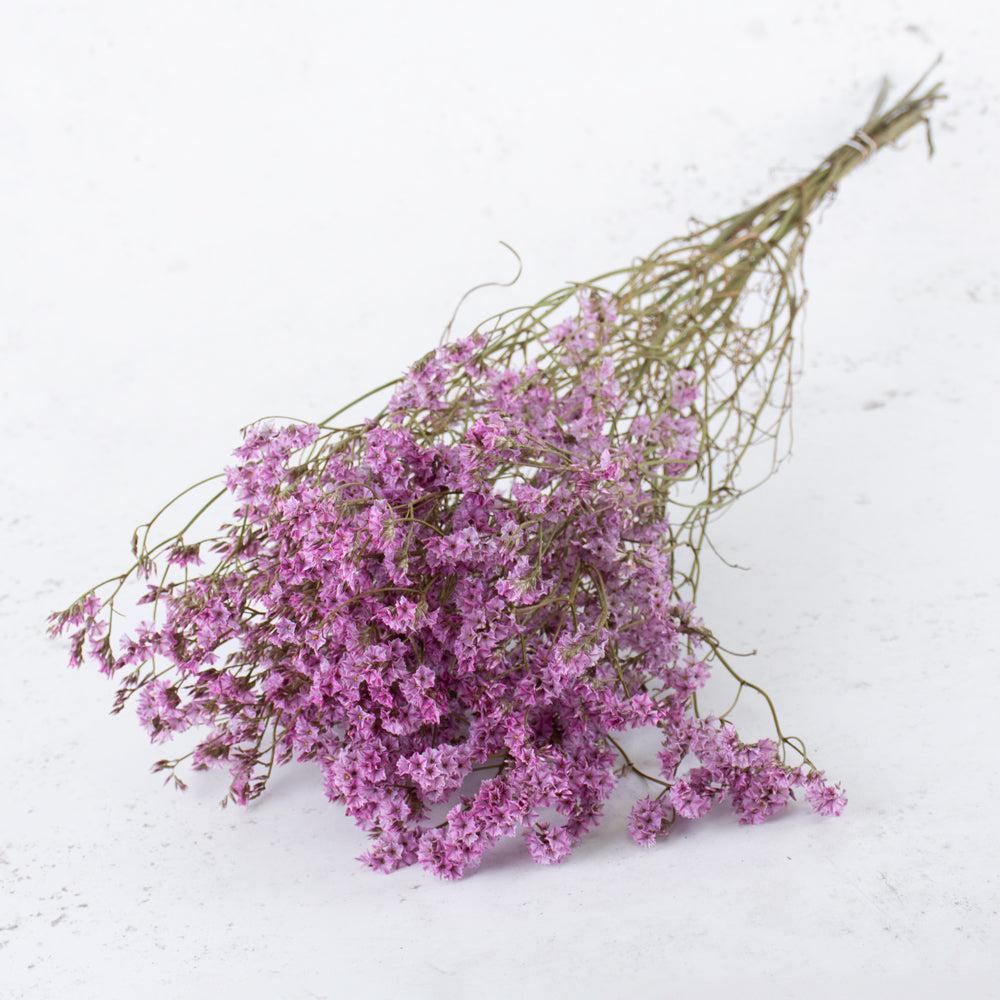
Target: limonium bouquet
[457,606]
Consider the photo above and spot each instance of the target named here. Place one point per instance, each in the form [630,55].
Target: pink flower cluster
[452,613]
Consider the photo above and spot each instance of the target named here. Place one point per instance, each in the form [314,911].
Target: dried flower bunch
[454,606]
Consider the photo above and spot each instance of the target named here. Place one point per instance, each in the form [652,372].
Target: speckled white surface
[212,212]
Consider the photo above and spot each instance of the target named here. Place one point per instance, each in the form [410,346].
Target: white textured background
[213,211]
